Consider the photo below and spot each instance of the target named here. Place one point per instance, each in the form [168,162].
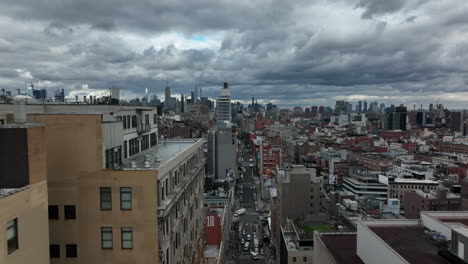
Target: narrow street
[248,227]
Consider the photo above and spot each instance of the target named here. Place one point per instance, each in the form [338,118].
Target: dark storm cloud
[292,52]
[378,7]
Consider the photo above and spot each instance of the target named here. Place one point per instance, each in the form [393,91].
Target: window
[125,149]
[53,212]
[54,251]
[134,121]
[106,237]
[304,259]
[294,259]
[124,122]
[70,212]
[125,198]
[71,250]
[106,198]
[128,121]
[12,236]
[127,237]
[147,120]
[153,139]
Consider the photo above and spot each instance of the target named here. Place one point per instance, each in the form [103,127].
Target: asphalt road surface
[246,196]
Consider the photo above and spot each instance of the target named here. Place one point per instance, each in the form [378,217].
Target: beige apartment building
[24,235]
[116,194]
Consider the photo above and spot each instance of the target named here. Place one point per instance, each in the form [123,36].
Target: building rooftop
[211,251]
[342,247]
[463,220]
[409,242]
[433,194]
[154,157]
[10,191]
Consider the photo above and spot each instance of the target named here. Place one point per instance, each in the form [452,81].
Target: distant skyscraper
[382,107]
[167,97]
[396,120]
[223,105]
[364,109]
[360,106]
[182,102]
[340,107]
[192,93]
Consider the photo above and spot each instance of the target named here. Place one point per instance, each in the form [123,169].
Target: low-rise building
[295,245]
[437,237]
[440,199]
[374,162]
[23,195]
[361,182]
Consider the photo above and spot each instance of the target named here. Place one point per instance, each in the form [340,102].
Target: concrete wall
[321,254]
[29,206]
[372,249]
[75,145]
[434,224]
[142,218]
[225,153]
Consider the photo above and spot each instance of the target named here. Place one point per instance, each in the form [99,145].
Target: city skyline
[297,53]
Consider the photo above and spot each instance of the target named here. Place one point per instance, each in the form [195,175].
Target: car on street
[243,232]
[248,237]
[251,160]
[253,255]
[251,165]
[246,246]
[242,241]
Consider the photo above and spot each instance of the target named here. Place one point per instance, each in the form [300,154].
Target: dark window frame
[68,213]
[107,230]
[54,250]
[71,251]
[126,230]
[54,212]
[13,242]
[102,191]
[125,190]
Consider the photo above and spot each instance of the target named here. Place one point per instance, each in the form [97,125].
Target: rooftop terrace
[342,247]
[409,242]
[154,157]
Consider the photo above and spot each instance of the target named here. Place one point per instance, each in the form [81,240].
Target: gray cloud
[290,52]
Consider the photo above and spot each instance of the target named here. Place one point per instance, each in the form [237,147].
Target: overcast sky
[288,52]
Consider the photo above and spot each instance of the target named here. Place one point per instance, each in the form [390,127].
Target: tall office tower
[221,153]
[376,107]
[431,108]
[167,97]
[182,102]
[252,103]
[360,106]
[364,108]
[192,93]
[223,105]
[350,107]
[396,120]
[321,109]
[340,107]
[200,92]
[382,107]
